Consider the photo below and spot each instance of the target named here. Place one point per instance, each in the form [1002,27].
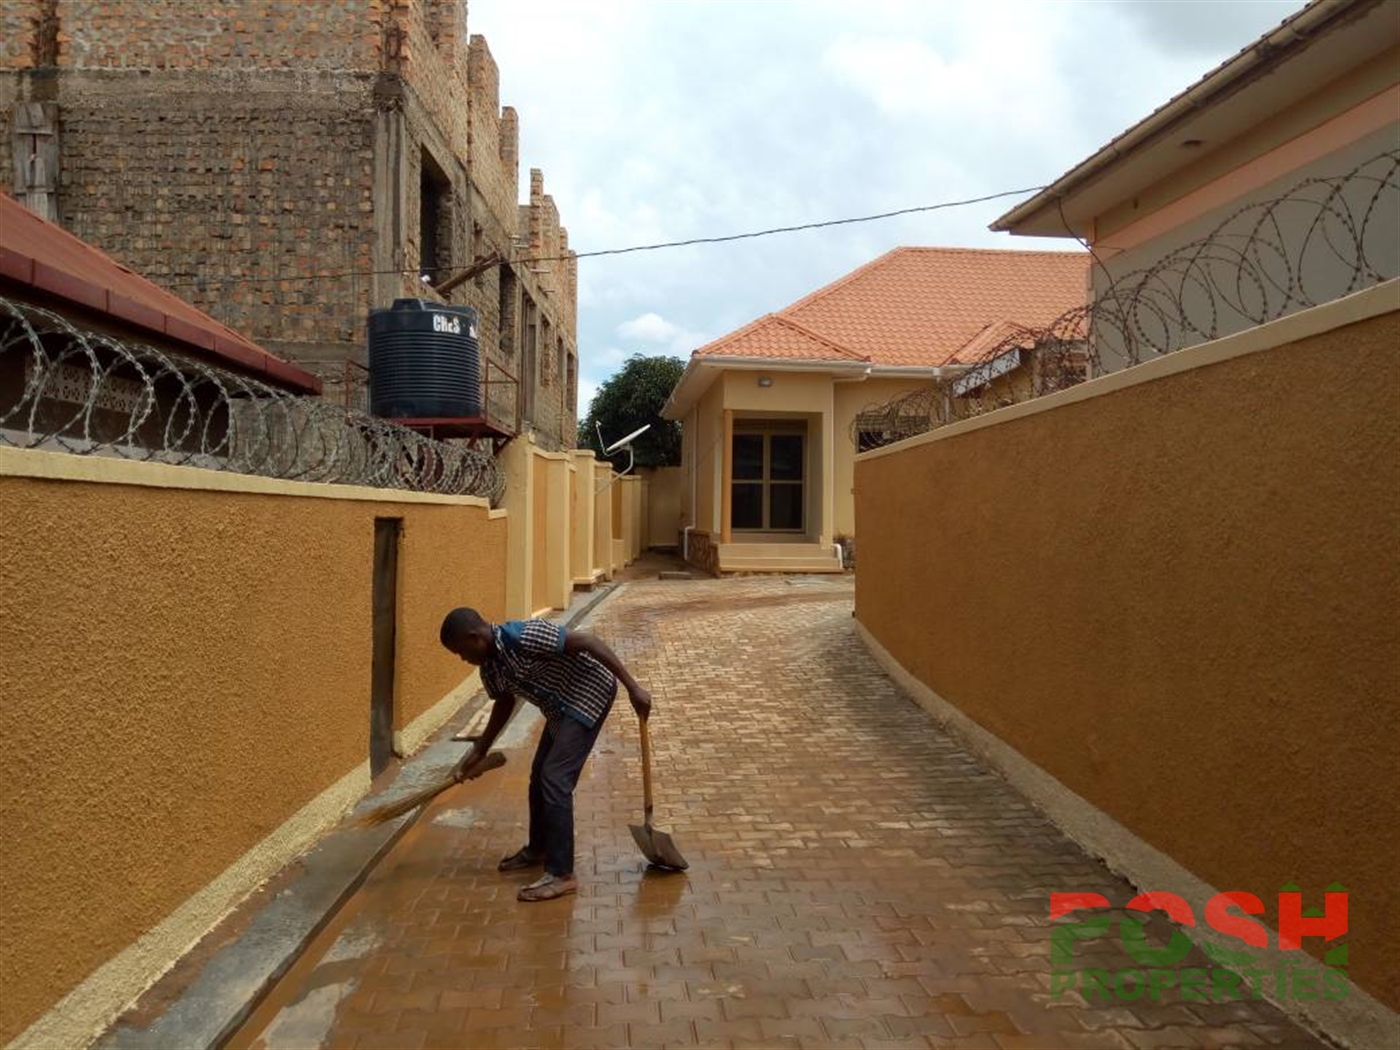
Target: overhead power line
[795,229]
[478,268]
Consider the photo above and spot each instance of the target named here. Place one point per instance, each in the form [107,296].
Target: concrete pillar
[634,517]
[602,521]
[582,518]
[726,492]
[540,599]
[556,522]
[517,459]
[828,478]
[619,500]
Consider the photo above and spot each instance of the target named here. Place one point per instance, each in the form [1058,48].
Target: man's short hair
[460,622]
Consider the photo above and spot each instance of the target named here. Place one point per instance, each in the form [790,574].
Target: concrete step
[786,566]
[776,550]
[777,557]
[755,563]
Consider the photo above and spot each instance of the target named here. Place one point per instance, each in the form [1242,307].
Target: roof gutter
[1294,34]
[700,373]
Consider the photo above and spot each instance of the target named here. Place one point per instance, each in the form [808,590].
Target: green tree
[631,399]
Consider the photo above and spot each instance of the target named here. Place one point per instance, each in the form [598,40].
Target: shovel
[655,845]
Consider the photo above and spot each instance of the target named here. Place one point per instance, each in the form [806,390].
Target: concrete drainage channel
[241,961]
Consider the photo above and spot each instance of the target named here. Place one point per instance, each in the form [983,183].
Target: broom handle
[646,771]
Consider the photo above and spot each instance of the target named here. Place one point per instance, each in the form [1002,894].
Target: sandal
[547,888]
[520,860]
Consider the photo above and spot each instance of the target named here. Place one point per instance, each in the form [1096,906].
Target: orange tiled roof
[773,335]
[916,306]
[995,339]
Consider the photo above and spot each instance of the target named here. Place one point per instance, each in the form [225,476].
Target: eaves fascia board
[1268,51]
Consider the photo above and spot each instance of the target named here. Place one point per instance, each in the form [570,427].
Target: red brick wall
[230,150]
[212,35]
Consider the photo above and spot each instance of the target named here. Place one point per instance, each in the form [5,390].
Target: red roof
[773,335]
[917,306]
[43,256]
[995,339]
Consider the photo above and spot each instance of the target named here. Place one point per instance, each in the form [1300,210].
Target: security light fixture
[765,380]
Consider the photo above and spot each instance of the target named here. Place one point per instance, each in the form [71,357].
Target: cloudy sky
[664,121]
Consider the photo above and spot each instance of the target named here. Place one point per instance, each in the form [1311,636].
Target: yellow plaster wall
[709,457]
[790,392]
[539,535]
[517,460]
[629,502]
[664,511]
[557,467]
[849,400]
[582,517]
[1178,597]
[602,521]
[180,672]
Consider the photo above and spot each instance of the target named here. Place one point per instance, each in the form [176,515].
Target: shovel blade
[658,847]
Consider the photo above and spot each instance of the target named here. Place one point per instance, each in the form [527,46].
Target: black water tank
[424,361]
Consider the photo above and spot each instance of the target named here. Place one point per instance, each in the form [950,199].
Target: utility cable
[484,265]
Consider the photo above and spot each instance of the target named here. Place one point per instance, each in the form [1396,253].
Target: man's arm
[501,711]
[582,642]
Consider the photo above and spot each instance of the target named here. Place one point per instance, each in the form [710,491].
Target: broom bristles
[407,804]
[392,810]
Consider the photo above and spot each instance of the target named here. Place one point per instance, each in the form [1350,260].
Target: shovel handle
[646,771]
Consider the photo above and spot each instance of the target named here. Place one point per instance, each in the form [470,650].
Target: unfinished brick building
[238,152]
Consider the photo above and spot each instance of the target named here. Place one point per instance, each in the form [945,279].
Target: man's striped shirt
[530,661]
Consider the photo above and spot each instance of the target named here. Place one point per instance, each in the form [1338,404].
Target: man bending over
[572,678]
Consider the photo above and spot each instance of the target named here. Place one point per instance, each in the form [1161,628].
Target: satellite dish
[624,442]
[617,446]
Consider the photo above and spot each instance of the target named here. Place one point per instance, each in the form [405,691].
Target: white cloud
[657,332]
[649,328]
[603,361]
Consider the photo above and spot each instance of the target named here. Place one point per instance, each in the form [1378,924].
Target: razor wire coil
[1324,238]
[71,389]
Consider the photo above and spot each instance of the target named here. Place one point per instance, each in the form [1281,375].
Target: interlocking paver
[857,879]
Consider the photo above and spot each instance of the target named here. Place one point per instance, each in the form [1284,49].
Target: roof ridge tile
[813,334]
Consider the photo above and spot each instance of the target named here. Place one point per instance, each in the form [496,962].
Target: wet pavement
[857,878]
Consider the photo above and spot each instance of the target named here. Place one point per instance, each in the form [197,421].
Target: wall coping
[106,470]
[1359,306]
[558,457]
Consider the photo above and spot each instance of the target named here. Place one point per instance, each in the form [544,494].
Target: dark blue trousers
[563,749]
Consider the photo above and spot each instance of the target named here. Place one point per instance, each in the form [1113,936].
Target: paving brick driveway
[857,879]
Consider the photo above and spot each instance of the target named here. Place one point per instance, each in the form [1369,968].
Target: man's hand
[641,702]
[474,755]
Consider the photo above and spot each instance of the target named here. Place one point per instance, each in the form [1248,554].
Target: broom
[392,810]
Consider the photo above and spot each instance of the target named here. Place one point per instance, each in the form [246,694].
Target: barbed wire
[89,393]
[1324,238]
